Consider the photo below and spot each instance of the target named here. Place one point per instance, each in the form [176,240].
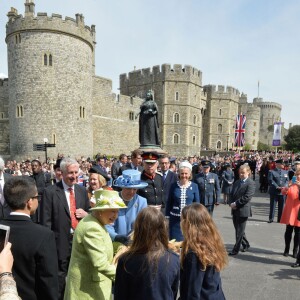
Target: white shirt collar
[19,214]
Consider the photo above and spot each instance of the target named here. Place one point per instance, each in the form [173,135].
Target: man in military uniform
[209,187]
[277,178]
[154,191]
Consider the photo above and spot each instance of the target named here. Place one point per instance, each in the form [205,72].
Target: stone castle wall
[4,121]
[114,129]
[220,116]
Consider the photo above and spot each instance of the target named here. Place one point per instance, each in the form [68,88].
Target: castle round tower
[50,68]
[252,113]
[270,113]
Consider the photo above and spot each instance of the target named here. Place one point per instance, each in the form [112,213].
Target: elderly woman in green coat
[91,271]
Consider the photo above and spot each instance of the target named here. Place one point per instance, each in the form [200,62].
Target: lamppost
[227,136]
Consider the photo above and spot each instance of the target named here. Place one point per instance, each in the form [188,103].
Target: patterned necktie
[164,177]
[74,221]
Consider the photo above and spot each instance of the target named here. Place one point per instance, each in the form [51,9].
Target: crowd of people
[70,217]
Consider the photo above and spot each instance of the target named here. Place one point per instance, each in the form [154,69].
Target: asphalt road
[262,272]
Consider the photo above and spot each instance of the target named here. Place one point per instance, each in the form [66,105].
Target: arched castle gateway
[53,92]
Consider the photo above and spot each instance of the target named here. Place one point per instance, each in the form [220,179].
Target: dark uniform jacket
[277,178]
[209,188]
[4,208]
[154,191]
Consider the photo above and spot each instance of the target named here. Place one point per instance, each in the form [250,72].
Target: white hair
[67,162]
[2,164]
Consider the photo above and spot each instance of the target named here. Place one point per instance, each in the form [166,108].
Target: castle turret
[51,69]
[219,119]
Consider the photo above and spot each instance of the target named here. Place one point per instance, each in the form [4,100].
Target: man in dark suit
[168,176]
[136,161]
[4,208]
[240,197]
[277,178]
[33,246]
[62,206]
[209,187]
[116,166]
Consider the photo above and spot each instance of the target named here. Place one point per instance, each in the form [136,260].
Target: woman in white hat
[129,182]
[182,193]
[91,270]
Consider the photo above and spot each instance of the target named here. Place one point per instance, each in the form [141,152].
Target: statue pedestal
[152,148]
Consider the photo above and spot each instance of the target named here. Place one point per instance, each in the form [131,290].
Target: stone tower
[50,68]
[219,119]
[252,113]
[4,123]
[181,102]
[270,113]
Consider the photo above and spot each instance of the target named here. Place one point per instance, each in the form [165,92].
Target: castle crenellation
[75,27]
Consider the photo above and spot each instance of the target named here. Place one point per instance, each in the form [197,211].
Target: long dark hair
[202,237]
[150,237]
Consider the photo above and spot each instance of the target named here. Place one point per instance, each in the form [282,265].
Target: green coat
[91,271]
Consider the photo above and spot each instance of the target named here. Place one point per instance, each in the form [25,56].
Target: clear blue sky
[233,42]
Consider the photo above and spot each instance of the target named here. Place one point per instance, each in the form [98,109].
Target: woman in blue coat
[149,270]
[129,182]
[182,193]
[203,255]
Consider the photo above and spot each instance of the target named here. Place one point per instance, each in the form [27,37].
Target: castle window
[254,123]
[2,115]
[194,119]
[131,100]
[53,140]
[45,60]
[253,142]
[220,112]
[177,96]
[219,128]
[253,133]
[176,118]
[194,140]
[19,111]
[19,38]
[176,138]
[131,115]
[219,145]
[82,112]
[16,39]
[50,60]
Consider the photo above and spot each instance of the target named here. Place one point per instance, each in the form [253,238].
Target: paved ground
[263,272]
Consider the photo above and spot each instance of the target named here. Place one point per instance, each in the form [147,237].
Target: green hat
[107,199]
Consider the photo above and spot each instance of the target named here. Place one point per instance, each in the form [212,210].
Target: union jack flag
[239,132]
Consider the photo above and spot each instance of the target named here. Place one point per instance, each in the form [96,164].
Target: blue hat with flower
[130,179]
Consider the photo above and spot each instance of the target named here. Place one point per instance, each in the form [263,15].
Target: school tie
[74,221]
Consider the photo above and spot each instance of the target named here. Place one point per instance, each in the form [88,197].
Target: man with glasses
[33,246]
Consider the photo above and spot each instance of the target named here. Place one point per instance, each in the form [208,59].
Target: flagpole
[258,89]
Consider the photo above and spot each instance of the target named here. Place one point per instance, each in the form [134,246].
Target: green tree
[292,139]
[247,147]
[262,147]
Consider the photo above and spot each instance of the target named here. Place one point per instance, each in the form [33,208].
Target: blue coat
[197,284]
[209,188]
[125,221]
[178,198]
[277,178]
[175,204]
[135,280]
